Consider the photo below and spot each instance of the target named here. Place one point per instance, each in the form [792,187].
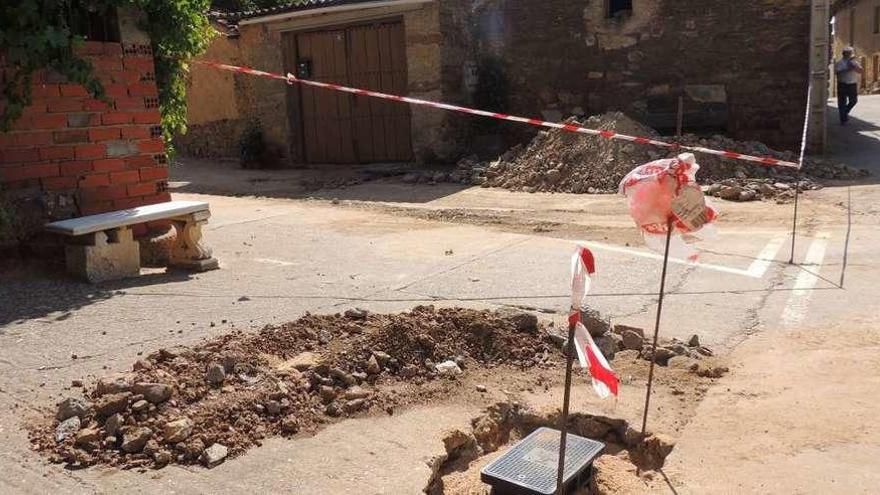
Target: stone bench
[101,247]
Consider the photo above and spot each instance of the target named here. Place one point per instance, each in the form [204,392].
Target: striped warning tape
[290,79]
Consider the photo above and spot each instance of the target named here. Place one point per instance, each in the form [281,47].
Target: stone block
[106,255]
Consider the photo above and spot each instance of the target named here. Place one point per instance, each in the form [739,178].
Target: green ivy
[36,34]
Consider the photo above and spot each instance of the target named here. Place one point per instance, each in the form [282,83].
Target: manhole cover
[529,467]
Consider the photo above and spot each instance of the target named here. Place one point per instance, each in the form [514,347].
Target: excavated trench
[629,457]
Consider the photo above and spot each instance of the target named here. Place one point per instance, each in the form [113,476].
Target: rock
[661,357]
[454,440]
[678,349]
[381,357]
[67,428]
[694,341]
[618,341]
[593,321]
[289,425]
[214,455]
[215,374]
[328,394]
[782,186]
[357,392]
[620,329]
[373,367]
[142,365]
[113,384]
[177,430]
[333,409]
[410,178]
[632,341]
[481,388]
[448,368]
[273,407]
[713,372]
[151,448]
[731,193]
[342,376]
[88,439]
[748,195]
[524,322]
[705,351]
[305,361]
[112,425]
[409,371]
[425,341]
[154,392]
[607,345]
[135,438]
[162,458]
[356,314]
[354,405]
[111,404]
[194,448]
[140,406]
[72,406]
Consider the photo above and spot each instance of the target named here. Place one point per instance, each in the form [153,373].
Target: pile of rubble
[201,404]
[560,161]
[620,341]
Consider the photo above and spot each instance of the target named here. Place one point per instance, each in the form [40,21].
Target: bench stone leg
[103,256]
[188,250]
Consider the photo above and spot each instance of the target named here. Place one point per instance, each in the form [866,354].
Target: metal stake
[657,323]
[563,421]
[797,193]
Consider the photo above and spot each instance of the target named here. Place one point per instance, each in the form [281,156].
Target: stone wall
[741,67]
[857,25]
[215,122]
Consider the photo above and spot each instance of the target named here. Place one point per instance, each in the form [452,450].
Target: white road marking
[796,307]
[765,258]
[271,261]
[756,270]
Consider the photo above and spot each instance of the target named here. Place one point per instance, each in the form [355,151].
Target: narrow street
[793,415]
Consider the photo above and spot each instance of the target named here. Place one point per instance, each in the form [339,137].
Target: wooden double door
[337,127]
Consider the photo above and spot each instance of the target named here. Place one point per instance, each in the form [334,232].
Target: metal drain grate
[529,467]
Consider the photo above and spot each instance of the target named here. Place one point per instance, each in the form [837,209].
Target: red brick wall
[105,155]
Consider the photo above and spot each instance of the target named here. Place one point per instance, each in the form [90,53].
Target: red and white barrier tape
[290,79]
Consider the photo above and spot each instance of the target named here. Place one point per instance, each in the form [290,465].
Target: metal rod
[848,232]
[563,420]
[797,193]
[679,123]
[657,324]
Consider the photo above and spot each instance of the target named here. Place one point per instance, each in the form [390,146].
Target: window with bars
[618,8]
[93,23]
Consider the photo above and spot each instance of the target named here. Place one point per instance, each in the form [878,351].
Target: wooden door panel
[339,127]
[326,114]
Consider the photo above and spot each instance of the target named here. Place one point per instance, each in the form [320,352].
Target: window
[619,8]
[93,23]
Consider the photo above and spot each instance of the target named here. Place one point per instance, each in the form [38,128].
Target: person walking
[847,70]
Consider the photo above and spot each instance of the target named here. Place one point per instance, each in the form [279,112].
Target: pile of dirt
[561,161]
[203,403]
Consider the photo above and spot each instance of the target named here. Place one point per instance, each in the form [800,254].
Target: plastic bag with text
[664,189]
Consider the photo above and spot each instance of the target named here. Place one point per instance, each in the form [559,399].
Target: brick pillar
[86,156]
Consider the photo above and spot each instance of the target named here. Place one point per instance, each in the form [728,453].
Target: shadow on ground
[31,290]
[858,143]
[379,182]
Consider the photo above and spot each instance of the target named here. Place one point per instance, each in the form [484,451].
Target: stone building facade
[857,24]
[740,68]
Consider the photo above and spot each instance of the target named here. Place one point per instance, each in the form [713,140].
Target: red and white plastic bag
[667,189]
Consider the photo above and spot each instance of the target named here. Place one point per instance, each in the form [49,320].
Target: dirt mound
[561,161]
[203,403]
